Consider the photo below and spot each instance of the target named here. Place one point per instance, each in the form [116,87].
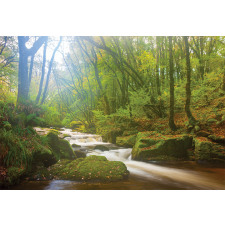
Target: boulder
[91,168]
[75,145]
[208,151]
[66,151]
[101,147]
[127,141]
[154,146]
[80,154]
[14,175]
[43,156]
[61,148]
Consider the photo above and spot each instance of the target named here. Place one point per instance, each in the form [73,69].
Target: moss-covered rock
[66,151]
[43,156]
[127,141]
[91,168]
[62,136]
[41,174]
[216,138]
[206,150]
[80,154]
[154,146]
[61,148]
[14,175]
[75,145]
[101,147]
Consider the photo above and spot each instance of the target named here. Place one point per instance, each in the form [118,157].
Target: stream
[143,175]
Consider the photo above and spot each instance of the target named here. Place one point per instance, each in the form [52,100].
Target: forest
[159,98]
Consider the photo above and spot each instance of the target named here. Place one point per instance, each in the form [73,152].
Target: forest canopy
[106,83]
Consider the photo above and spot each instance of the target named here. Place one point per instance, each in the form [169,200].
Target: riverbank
[151,175]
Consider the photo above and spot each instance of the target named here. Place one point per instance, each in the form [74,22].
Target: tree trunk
[43,73]
[49,72]
[31,70]
[24,53]
[171,116]
[191,119]
[23,84]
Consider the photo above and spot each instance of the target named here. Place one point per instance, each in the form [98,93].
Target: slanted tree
[43,72]
[49,71]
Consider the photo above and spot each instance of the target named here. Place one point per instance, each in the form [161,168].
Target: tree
[24,53]
[43,72]
[171,115]
[49,71]
[191,119]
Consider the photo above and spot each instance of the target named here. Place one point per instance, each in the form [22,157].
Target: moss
[14,175]
[44,156]
[101,170]
[75,145]
[101,147]
[66,151]
[41,174]
[127,141]
[155,146]
[96,158]
[80,154]
[91,168]
[61,148]
[66,135]
[206,150]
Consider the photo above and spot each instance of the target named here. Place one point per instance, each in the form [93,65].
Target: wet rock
[206,150]
[75,145]
[61,148]
[101,147]
[80,154]
[44,156]
[155,146]
[127,141]
[62,136]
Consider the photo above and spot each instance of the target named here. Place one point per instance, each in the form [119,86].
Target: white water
[148,171]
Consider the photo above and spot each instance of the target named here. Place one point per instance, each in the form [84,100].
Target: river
[143,175]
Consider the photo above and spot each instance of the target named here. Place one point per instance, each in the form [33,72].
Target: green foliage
[14,151]
[75,124]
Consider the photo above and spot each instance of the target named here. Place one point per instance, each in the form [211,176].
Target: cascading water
[143,175]
[148,171]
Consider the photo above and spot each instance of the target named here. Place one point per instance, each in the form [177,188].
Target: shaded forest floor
[210,118]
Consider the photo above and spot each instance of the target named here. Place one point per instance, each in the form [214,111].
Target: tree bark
[191,119]
[31,70]
[43,72]
[24,53]
[171,116]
